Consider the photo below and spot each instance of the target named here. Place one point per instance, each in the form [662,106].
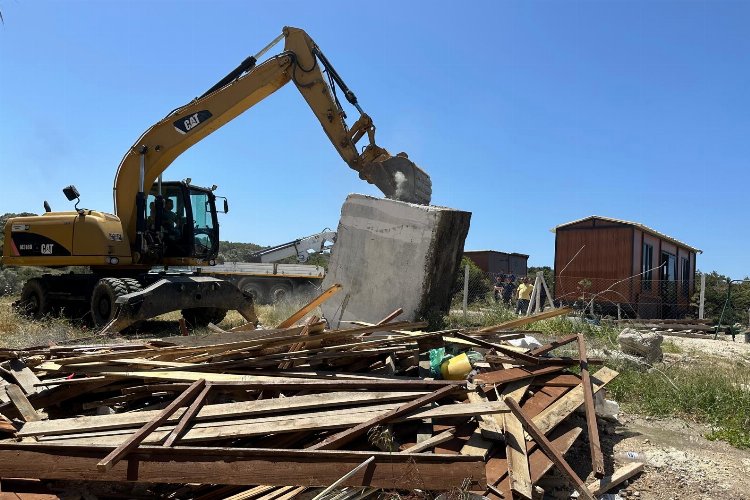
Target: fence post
[702,303]
[619,312]
[466,291]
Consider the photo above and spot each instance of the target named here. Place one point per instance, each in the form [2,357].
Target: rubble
[274,413]
[645,345]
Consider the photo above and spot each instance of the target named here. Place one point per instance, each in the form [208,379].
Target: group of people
[505,289]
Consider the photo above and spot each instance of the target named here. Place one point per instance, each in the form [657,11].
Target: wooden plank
[133,441]
[513,374]
[187,417]
[532,360]
[549,450]
[18,398]
[606,483]
[285,365]
[435,440]
[49,397]
[238,466]
[23,375]
[344,437]
[597,459]
[477,445]
[560,409]
[278,424]
[307,308]
[553,345]
[516,323]
[491,426]
[515,445]
[542,398]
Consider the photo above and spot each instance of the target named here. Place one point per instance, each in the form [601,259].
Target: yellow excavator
[160,223]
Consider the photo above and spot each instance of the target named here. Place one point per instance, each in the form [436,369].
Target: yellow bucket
[456,368]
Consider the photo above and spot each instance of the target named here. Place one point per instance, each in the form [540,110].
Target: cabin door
[668,284]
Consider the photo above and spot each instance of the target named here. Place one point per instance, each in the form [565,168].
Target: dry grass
[17,331]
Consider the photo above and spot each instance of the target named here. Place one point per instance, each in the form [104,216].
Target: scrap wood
[431,442]
[214,412]
[597,458]
[538,436]
[343,478]
[23,376]
[304,310]
[245,466]
[525,320]
[515,443]
[214,430]
[344,437]
[511,375]
[544,349]
[133,441]
[18,398]
[188,416]
[555,413]
[606,483]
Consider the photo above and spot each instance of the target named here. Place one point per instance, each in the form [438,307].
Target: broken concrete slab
[390,254]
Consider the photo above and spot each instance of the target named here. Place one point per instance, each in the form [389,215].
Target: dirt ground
[680,462]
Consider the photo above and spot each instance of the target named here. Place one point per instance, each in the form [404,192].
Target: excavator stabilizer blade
[401,179]
[175,293]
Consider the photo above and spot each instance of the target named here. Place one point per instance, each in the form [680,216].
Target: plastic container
[456,368]
[630,456]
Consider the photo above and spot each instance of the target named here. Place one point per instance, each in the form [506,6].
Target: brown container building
[649,274]
[494,263]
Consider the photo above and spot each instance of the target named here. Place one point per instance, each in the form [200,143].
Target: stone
[391,254]
[641,344]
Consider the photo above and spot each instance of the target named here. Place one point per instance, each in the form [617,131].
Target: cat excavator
[174,223]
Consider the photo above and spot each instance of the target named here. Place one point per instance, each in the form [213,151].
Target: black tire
[256,290]
[133,284]
[202,316]
[103,299]
[280,292]
[35,302]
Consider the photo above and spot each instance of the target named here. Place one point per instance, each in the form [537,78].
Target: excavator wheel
[133,284]
[202,316]
[103,299]
[280,293]
[35,302]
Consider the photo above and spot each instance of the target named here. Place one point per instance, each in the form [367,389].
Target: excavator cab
[181,220]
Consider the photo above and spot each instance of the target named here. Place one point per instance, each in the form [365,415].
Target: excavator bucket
[174,293]
[401,179]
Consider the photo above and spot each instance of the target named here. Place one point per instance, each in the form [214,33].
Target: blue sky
[528,114]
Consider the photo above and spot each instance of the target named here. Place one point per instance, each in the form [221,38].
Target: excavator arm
[306,66]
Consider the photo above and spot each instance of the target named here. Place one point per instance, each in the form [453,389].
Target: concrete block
[390,254]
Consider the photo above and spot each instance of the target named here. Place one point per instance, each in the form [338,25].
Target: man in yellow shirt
[525,290]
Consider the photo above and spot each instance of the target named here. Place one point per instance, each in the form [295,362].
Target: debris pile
[270,414]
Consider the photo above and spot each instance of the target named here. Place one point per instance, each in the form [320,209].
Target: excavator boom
[303,63]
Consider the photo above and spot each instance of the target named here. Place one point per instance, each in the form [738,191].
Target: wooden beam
[238,466]
[553,345]
[606,483]
[344,437]
[515,445]
[133,441]
[435,440]
[187,417]
[333,290]
[516,323]
[513,374]
[597,459]
[558,411]
[549,450]
[18,398]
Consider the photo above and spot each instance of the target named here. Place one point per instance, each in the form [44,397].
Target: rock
[645,345]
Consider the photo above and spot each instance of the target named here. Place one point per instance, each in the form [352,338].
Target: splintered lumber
[515,323]
[597,459]
[306,309]
[558,411]
[431,442]
[511,375]
[16,395]
[343,478]
[23,375]
[253,409]
[491,426]
[538,436]
[133,441]
[245,466]
[603,485]
[344,437]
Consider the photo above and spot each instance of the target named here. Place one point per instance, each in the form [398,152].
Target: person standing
[508,288]
[525,290]
[498,288]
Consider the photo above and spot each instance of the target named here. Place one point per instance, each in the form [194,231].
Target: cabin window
[685,277]
[648,264]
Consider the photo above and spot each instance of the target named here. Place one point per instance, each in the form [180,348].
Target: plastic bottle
[630,456]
